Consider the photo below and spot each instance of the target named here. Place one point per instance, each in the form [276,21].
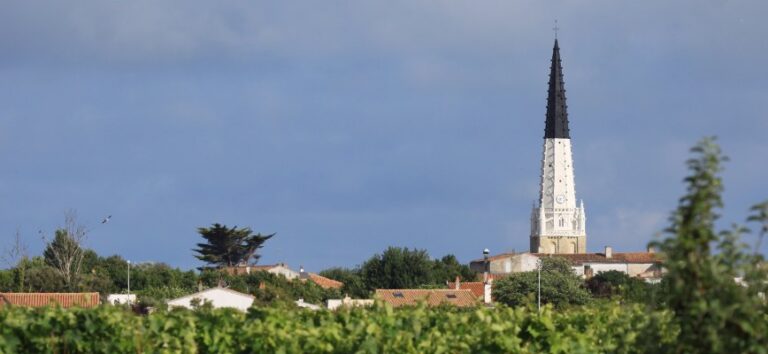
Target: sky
[346,127]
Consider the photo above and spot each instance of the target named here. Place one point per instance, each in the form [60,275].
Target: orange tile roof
[432,297]
[46,299]
[325,283]
[476,287]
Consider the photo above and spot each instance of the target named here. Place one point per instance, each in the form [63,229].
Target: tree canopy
[65,254]
[403,268]
[229,246]
[560,286]
[399,268]
[614,283]
[715,313]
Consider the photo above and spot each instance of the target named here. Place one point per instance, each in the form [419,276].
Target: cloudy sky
[348,126]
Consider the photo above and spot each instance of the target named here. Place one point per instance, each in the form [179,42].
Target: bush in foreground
[607,328]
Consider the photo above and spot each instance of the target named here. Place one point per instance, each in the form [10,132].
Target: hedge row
[607,328]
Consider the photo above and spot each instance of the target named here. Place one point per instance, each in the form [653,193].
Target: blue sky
[346,127]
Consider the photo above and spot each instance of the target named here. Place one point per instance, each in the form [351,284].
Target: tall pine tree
[229,246]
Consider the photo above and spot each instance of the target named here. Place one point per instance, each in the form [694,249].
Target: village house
[278,269]
[85,300]
[218,297]
[288,273]
[480,289]
[645,265]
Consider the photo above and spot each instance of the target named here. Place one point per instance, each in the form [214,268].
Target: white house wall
[284,271]
[217,297]
[602,267]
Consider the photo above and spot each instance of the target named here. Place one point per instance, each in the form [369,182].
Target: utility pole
[129,281]
[486,252]
[539,266]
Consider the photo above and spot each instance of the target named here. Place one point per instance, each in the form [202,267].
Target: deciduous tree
[65,253]
[715,313]
[560,286]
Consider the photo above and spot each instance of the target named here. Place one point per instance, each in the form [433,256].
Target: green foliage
[229,246]
[354,286]
[402,268]
[448,267]
[397,268]
[65,255]
[7,280]
[608,328]
[39,276]
[560,286]
[158,275]
[163,293]
[714,313]
[618,284]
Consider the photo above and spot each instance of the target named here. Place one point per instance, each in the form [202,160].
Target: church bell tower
[557,223]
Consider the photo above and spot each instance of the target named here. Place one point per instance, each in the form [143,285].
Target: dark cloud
[346,127]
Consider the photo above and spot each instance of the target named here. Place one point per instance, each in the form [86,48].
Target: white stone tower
[557,224]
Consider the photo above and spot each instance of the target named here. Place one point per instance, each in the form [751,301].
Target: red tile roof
[476,287]
[325,283]
[432,297]
[47,299]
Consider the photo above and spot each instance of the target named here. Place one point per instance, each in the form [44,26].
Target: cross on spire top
[556,28]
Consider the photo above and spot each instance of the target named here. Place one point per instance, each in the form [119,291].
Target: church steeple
[558,223]
[557,111]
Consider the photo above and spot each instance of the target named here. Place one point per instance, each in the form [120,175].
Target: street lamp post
[129,282]
[486,252]
[539,268]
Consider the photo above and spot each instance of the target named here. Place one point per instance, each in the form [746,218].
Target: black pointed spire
[557,110]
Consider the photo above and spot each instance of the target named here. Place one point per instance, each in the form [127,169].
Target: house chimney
[651,249]
[608,252]
[457,284]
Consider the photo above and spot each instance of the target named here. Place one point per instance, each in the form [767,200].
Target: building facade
[643,265]
[558,224]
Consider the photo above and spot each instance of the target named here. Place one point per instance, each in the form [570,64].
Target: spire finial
[556,28]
